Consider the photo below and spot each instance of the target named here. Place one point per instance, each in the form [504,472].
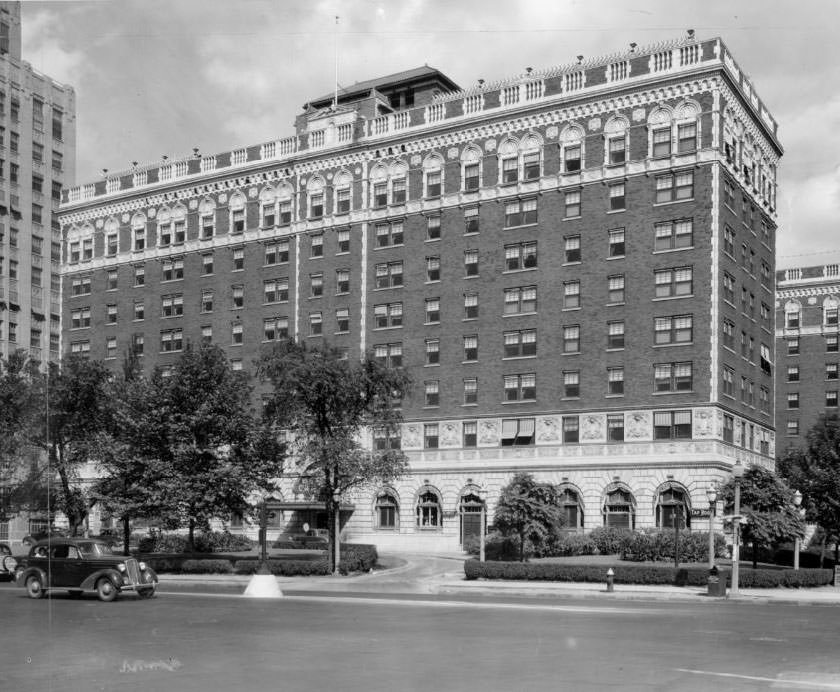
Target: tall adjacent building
[575,265]
[37,158]
[807,333]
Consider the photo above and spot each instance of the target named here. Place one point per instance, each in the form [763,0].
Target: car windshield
[94,549]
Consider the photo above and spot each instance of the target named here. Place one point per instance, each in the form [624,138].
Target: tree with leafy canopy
[529,510]
[815,472]
[188,445]
[22,472]
[74,397]
[770,516]
[327,401]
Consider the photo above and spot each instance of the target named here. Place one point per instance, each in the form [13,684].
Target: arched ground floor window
[428,510]
[387,512]
[672,507]
[619,508]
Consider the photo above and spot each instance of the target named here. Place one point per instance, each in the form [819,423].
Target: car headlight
[121,567]
[142,566]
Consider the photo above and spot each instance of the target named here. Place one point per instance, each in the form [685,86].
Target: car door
[66,566]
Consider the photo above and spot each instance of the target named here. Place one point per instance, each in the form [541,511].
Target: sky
[160,77]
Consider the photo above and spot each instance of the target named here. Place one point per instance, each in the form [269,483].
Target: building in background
[37,158]
[807,334]
[575,265]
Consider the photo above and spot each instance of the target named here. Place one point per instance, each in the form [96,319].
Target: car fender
[112,574]
[28,572]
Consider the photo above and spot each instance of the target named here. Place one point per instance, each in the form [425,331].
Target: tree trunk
[755,554]
[191,536]
[522,546]
[126,534]
[333,536]
[74,517]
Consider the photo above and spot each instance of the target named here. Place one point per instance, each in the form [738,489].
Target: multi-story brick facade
[566,262]
[37,158]
[807,305]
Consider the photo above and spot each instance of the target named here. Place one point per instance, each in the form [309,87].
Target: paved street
[421,642]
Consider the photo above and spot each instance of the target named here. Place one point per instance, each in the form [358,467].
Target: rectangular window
[831,371]
[673,283]
[572,204]
[208,226]
[469,432]
[793,373]
[520,387]
[389,355]
[433,269]
[80,318]
[615,289]
[793,427]
[207,264]
[617,148]
[661,142]
[343,239]
[172,305]
[430,435]
[237,221]
[207,301]
[470,306]
[521,212]
[433,228]
[171,340]
[793,400]
[470,391]
[471,348]
[285,213]
[571,339]
[275,328]
[342,320]
[831,398]
[471,177]
[728,381]
[139,275]
[471,263]
[398,191]
[571,384]
[672,425]
[432,310]
[173,269]
[342,200]
[238,296]
[433,179]
[571,158]
[342,281]
[276,252]
[388,315]
[674,235]
[531,165]
[793,346]
[521,299]
[520,344]
[316,285]
[206,335]
[672,377]
[432,351]
[316,205]
[389,275]
[471,224]
[676,329]
[276,290]
[572,248]
[729,241]
[831,343]
[571,429]
[269,215]
[139,310]
[615,381]
[236,334]
[686,137]
[571,295]
[615,335]
[616,243]
[510,170]
[380,195]
[431,390]
[518,432]
[521,256]
[617,198]
[729,288]
[615,427]
[674,187]
[80,285]
[389,234]
[316,324]
[316,245]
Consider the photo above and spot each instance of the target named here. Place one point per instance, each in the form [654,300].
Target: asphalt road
[183,643]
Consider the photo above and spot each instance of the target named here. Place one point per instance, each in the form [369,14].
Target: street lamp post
[797,501]
[737,474]
[711,493]
[483,496]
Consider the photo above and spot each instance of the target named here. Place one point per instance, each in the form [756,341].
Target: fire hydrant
[610,576]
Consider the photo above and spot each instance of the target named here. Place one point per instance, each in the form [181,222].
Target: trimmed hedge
[641,574]
[209,542]
[658,545]
[285,568]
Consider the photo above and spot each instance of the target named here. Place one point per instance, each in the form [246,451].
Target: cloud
[808,220]
[44,47]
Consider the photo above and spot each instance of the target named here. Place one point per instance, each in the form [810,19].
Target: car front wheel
[106,590]
[146,593]
[35,587]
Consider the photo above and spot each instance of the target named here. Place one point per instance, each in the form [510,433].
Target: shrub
[193,566]
[357,557]
[609,540]
[285,568]
[164,543]
[642,574]
[658,545]
[809,559]
[222,542]
[570,544]
[496,547]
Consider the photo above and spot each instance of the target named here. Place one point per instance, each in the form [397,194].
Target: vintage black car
[7,562]
[83,564]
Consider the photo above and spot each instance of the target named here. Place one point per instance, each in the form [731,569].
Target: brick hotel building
[807,339]
[575,265]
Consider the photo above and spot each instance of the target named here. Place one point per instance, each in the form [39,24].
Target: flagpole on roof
[335,50]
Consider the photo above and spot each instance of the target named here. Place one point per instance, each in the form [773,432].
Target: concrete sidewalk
[444,575]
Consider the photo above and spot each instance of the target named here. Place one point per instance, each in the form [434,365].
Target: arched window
[471,513]
[531,149]
[379,187]
[285,196]
[830,309]
[619,508]
[672,507]
[659,127]
[793,311]
[686,119]
[315,194]
[509,162]
[343,192]
[433,176]
[615,135]
[571,505]
[387,511]
[237,213]
[471,168]
[138,232]
[268,207]
[571,143]
[164,227]
[429,514]
[207,218]
[112,237]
